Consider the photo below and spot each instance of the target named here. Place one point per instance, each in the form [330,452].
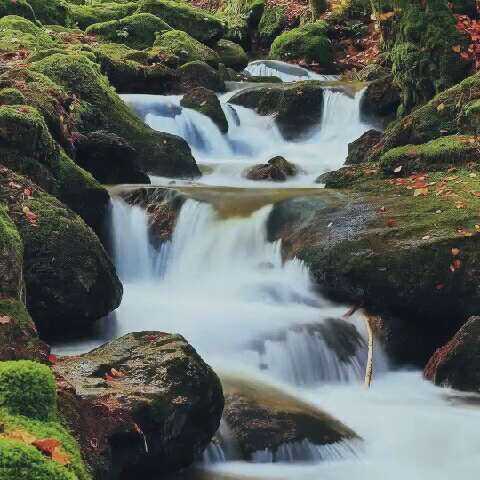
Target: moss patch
[97,11]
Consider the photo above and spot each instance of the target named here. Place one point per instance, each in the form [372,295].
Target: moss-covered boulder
[199,74]
[176,48]
[98,11]
[439,154]
[359,151]
[22,8]
[231,54]
[297,107]
[147,388]
[51,12]
[272,23]
[264,419]
[102,109]
[277,169]
[309,43]
[456,364]
[130,71]
[207,103]
[70,280]
[33,443]
[380,100]
[136,31]
[109,158]
[200,24]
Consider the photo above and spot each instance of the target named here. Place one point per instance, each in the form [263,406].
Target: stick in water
[369,368]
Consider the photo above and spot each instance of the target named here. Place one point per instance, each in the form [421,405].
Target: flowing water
[222,285]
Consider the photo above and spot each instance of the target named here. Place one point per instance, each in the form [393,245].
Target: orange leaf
[46,445]
[457,48]
[60,457]
[5,319]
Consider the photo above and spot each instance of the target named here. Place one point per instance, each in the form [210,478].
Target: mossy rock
[231,54]
[381,100]
[309,42]
[297,107]
[176,48]
[98,11]
[207,103]
[102,109]
[439,154]
[200,24]
[199,74]
[136,31]
[22,8]
[11,96]
[11,256]
[51,12]
[70,280]
[272,23]
[129,72]
[28,388]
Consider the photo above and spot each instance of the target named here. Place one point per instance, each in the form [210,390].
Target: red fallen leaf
[60,457]
[5,319]
[116,373]
[109,378]
[151,338]
[391,222]
[456,264]
[28,192]
[52,359]
[47,445]
[14,185]
[31,217]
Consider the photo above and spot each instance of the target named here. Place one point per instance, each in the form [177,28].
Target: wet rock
[207,103]
[457,364]
[297,107]
[109,158]
[372,71]
[141,406]
[231,54]
[359,150]
[277,169]
[70,280]
[263,418]
[380,100]
[199,74]
[370,249]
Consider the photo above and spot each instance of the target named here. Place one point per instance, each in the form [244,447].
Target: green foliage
[309,42]
[9,237]
[176,48]
[136,31]
[27,388]
[271,24]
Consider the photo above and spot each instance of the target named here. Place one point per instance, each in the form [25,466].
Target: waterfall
[285,71]
[225,157]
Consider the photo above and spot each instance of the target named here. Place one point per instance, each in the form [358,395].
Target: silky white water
[222,285]
[254,139]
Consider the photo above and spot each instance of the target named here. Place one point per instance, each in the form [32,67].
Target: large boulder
[231,54]
[297,107]
[277,169]
[207,103]
[380,100]
[102,109]
[99,11]
[200,74]
[264,419]
[200,24]
[359,150]
[136,31]
[143,405]
[109,158]
[70,280]
[457,364]
[308,43]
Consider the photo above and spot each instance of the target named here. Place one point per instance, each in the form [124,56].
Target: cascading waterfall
[225,157]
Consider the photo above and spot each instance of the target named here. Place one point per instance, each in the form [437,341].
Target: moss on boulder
[101,108]
[176,48]
[11,256]
[199,74]
[231,54]
[207,103]
[439,154]
[20,7]
[136,31]
[97,11]
[51,12]
[272,23]
[309,42]
[200,24]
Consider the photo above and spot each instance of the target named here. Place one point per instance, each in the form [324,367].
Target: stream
[220,283]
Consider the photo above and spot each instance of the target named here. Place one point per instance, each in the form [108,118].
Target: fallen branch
[369,367]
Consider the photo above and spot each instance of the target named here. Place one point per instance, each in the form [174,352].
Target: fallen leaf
[457,48]
[439,286]
[116,373]
[398,169]
[440,107]
[52,359]
[391,222]
[5,319]
[420,191]
[456,264]
[60,457]
[46,445]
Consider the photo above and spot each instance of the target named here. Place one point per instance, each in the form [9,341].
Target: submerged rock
[207,103]
[143,405]
[109,158]
[277,169]
[457,364]
[262,418]
[297,107]
[359,150]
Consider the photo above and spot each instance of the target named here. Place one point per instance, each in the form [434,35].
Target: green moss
[27,388]
[20,7]
[53,12]
[309,43]
[200,24]
[11,96]
[136,31]
[231,54]
[176,48]
[437,154]
[271,24]
[9,236]
[97,12]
